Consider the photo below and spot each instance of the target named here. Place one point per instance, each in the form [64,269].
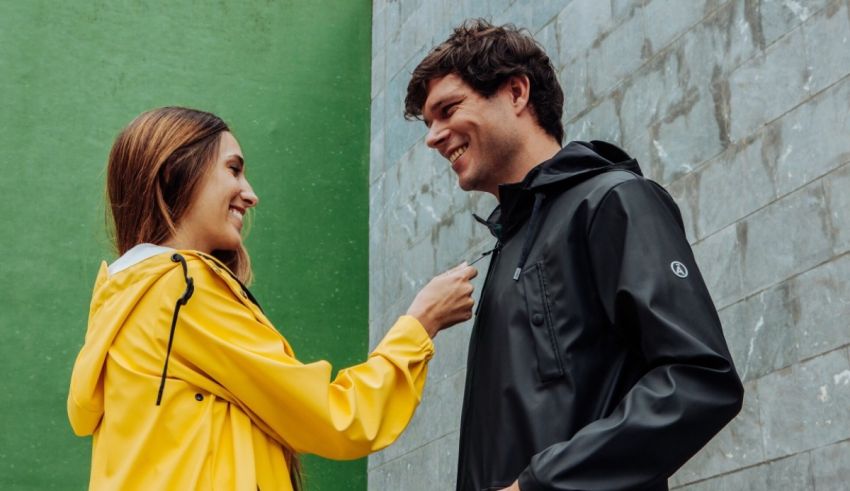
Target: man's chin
[466,184]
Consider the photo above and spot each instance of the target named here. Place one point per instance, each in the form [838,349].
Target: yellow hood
[113,299]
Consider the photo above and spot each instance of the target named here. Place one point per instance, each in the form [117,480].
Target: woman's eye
[236,170]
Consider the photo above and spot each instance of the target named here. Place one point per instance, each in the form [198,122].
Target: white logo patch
[679,269]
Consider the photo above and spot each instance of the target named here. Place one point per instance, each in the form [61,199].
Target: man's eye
[236,169]
[449,110]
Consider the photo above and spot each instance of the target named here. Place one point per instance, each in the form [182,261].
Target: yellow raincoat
[234,393]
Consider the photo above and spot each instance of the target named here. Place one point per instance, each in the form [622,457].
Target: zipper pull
[486,253]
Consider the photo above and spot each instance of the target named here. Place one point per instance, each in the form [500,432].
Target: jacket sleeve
[652,292]
[362,410]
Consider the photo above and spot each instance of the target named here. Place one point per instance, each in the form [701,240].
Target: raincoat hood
[114,298]
[575,163]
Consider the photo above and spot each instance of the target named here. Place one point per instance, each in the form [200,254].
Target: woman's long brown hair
[155,167]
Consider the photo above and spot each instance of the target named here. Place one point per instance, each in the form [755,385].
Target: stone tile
[755,96]
[417,270]
[400,134]
[734,319]
[804,153]
[791,474]
[778,17]
[686,136]
[828,45]
[719,258]
[451,240]
[438,415]
[581,24]
[831,466]
[820,307]
[408,7]
[624,9]
[547,37]
[379,26]
[379,72]
[736,446]
[517,13]
[649,94]
[671,18]
[764,336]
[392,24]
[752,479]
[735,184]
[429,468]
[797,230]
[545,11]
[378,114]
[805,406]
[577,93]
[377,147]
[377,235]
[498,7]
[600,123]
[616,56]
[414,39]
[720,43]
[685,191]
[838,199]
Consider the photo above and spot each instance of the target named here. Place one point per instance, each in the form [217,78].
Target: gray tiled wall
[741,108]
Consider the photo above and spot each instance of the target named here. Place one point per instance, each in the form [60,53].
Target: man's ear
[519,88]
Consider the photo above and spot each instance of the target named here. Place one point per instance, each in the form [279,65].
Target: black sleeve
[652,291]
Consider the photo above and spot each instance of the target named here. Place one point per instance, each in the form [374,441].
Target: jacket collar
[573,164]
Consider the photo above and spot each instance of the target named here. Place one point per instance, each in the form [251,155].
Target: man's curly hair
[485,57]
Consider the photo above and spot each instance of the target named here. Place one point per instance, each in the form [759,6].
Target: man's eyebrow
[237,158]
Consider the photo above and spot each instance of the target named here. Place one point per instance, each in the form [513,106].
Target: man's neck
[536,151]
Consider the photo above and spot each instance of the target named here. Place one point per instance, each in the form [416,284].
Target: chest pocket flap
[549,365]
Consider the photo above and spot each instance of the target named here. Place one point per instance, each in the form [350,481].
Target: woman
[183,381]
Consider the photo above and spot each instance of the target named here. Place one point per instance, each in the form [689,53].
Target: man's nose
[436,135]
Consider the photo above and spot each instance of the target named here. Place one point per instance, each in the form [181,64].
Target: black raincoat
[597,360]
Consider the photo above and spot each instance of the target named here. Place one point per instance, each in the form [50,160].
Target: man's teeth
[457,153]
[236,212]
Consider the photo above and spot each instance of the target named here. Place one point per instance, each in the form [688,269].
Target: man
[597,359]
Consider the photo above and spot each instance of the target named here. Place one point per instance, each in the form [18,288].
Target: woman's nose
[249,196]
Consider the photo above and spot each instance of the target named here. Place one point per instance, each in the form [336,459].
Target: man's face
[475,133]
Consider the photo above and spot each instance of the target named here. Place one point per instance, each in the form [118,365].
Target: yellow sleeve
[362,410]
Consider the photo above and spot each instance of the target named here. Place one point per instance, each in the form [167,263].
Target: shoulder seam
[608,193]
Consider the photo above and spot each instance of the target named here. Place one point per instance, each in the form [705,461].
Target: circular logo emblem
[679,269]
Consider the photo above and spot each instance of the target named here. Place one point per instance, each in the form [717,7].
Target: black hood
[573,164]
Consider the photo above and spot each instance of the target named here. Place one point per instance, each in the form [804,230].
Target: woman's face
[214,219]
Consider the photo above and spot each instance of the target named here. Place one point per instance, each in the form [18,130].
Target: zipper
[495,252]
[471,361]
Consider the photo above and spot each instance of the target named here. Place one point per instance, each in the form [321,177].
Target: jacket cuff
[409,330]
[528,482]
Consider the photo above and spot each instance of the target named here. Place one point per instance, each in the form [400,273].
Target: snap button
[199,397]
[537,319]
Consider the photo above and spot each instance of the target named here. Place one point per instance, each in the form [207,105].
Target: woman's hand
[445,300]
[513,487]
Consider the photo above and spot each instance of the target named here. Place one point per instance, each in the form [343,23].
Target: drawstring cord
[530,233]
[190,289]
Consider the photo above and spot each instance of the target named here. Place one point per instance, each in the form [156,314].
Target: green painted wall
[291,78]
